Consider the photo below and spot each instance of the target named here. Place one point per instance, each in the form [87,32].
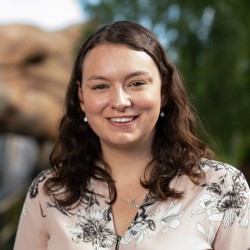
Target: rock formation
[35,67]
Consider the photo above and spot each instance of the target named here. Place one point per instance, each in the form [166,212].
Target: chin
[126,144]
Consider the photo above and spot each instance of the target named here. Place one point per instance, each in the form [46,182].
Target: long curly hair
[176,148]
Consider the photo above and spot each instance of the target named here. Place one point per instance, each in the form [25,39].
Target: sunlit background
[46,14]
[207,40]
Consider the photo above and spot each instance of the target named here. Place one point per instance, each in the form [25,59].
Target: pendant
[132,203]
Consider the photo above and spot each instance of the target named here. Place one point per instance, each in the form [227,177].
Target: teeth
[123,119]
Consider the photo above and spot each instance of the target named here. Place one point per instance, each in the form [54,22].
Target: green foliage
[209,42]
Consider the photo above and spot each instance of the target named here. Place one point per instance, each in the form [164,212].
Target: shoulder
[37,184]
[223,179]
[214,169]
[36,196]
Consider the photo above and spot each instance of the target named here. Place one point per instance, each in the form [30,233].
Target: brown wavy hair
[176,148]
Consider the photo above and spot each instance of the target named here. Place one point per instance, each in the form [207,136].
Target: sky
[46,14]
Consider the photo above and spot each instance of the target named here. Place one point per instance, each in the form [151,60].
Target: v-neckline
[145,202]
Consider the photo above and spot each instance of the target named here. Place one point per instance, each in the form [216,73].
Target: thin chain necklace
[132,202]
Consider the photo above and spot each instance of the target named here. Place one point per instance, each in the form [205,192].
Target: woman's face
[121,95]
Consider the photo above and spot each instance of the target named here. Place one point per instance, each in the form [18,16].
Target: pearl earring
[162,114]
[85,119]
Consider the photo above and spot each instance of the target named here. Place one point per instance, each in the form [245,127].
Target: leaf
[200,228]
[216,217]
[211,235]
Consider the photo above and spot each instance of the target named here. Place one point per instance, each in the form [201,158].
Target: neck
[129,163]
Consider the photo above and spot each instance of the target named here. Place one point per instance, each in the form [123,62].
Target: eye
[137,83]
[100,86]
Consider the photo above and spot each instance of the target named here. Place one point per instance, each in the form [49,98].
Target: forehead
[111,58]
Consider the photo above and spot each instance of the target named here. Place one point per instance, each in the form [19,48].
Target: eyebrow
[131,75]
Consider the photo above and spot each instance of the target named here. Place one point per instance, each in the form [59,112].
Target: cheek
[151,101]
[94,105]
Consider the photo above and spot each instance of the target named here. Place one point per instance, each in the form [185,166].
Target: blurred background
[207,40]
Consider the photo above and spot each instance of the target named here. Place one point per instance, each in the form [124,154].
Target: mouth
[123,119]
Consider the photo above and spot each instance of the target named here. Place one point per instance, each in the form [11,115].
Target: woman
[128,171]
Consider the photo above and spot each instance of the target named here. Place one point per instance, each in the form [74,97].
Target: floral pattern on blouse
[221,202]
[143,224]
[225,203]
[171,217]
[33,191]
[93,226]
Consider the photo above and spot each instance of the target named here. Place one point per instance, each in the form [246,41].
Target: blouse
[211,215]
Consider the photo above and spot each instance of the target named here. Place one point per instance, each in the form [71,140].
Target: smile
[122,119]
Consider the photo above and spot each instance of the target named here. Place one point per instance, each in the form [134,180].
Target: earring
[85,119]
[162,114]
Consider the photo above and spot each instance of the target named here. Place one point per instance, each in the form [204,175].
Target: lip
[122,120]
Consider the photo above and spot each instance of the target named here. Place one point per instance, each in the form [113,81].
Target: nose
[119,99]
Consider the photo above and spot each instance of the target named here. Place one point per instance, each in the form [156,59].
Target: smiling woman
[128,170]
[121,102]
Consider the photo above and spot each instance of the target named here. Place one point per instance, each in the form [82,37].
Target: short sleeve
[31,232]
[234,230]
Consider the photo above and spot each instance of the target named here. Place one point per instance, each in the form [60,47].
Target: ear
[80,96]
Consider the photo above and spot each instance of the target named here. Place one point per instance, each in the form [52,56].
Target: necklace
[132,202]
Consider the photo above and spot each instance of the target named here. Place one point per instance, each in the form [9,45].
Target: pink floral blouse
[212,215]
